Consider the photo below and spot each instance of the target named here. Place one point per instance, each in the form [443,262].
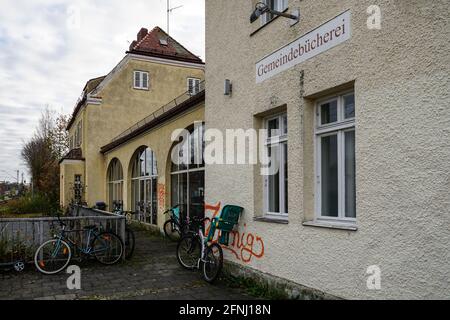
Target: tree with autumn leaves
[43,152]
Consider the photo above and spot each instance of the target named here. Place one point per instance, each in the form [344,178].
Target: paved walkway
[152,274]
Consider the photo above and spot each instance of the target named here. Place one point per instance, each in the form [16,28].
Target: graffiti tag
[244,246]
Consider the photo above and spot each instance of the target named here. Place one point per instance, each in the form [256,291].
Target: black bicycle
[176,227]
[197,251]
[130,238]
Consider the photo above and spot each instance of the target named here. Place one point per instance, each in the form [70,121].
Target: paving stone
[152,274]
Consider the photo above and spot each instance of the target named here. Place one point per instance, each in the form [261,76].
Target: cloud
[50,48]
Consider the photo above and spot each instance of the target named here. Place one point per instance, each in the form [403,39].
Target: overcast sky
[50,48]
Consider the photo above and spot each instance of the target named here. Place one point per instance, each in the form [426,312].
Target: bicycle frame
[87,250]
[204,243]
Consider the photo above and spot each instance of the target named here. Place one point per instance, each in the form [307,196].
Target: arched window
[188,174]
[144,185]
[115,184]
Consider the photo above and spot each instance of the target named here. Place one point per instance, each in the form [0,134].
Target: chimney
[133,44]
[142,33]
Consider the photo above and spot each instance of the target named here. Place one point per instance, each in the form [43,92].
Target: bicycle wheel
[172,230]
[129,243]
[212,266]
[52,256]
[189,251]
[107,248]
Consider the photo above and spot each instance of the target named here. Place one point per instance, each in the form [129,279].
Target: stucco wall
[121,107]
[400,79]
[68,170]
[159,140]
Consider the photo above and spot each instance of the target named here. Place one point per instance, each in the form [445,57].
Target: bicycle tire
[213,264]
[170,231]
[130,242]
[191,246]
[40,264]
[106,237]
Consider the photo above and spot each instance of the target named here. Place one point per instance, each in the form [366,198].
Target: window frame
[140,181]
[189,168]
[141,73]
[196,85]
[338,128]
[281,6]
[281,140]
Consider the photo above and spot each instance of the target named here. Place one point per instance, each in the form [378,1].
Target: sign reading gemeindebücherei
[309,45]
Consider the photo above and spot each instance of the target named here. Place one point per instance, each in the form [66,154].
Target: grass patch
[254,287]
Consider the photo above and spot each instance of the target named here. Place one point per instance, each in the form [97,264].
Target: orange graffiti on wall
[162,195]
[244,246]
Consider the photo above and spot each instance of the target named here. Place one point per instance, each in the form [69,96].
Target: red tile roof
[149,43]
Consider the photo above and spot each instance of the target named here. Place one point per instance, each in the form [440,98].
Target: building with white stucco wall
[363,123]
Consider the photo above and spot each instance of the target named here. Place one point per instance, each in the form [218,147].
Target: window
[335,159]
[78,189]
[78,135]
[277,5]
[144,185]
[276,182]
[188,179]
[115,184]
[141,80]
[193,86]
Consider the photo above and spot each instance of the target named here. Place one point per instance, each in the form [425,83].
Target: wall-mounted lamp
[228,88]
[262,8]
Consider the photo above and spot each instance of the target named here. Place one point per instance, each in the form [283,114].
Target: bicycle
[193,252]
[175,228]
[53,256]
[130,238]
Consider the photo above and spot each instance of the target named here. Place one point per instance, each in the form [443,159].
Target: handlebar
[61,223]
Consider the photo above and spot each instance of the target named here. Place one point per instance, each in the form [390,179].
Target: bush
[15,249]
[30,205]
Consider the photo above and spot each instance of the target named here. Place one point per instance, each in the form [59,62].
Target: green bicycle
[53,256]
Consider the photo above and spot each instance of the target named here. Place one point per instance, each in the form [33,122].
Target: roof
[90,85]
[147,44]
[158,43]
[188,104]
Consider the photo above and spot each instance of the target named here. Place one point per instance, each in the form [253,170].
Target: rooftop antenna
[169,11]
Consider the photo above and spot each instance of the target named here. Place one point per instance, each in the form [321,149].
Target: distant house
[121,127]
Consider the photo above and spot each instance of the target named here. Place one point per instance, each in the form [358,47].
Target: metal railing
[20,237]
[167,107]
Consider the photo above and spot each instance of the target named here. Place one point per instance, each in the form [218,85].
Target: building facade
[357,96]
[155,84]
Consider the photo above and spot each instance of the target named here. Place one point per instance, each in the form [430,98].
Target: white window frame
[194,89]
[281,139]
[145,178]
[141,78]
[281,5]
[340,127]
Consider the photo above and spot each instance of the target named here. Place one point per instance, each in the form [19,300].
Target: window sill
[142,89]
[272,219]
[267,23]
[331,225]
